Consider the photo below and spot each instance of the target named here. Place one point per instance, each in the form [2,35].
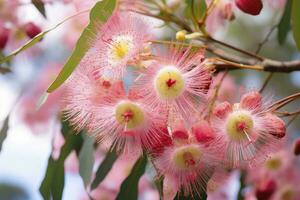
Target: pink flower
[86,89]
[178,81]
[120,42]
[246,131]
[126,123]
[222,12]
[186,163]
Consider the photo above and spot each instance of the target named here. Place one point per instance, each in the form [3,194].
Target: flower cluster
[139,97]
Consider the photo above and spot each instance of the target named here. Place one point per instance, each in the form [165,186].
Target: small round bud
[4,35]
[251,100]
[252,7]
[180,35]
[266,189]
[203,132]
[32,29]
[277,125]
[297,147]
[222,110]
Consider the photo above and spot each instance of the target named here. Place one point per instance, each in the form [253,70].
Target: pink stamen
[170,82]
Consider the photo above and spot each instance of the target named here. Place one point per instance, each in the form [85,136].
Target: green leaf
[159,183]
[285,23]
[199,8]
[129,187]
[53,183]
[98,15]
[46,185]
[296,22]
[3,132]
[86,160]
[39,6]
[104,168]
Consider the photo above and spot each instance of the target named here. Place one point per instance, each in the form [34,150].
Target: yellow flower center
[169,83]
[273,163]
[129,114]
[239,125]
[187,157]
[120,47]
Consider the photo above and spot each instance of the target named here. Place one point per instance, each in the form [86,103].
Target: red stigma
[188,158]
[106,84]
[241,126]
[128,115]
[170,82]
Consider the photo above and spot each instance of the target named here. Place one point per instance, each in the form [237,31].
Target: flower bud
[251,100]
[266,189]
[276,125]
[222,110]
[203,132]
[4,34]
[297,147]
[180,35]
[252,7]
[31,29]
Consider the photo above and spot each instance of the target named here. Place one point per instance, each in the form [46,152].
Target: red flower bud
[275,125]
[203,132]
[31,29]
[4,34]
[252,7]
[297,147]
[266,189]
[251,100]
[222,110]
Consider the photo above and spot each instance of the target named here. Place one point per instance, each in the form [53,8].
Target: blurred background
[31,136]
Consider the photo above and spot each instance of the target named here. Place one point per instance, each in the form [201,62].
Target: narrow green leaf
[159,183]
[45,188]
[86,160]
[296,22]
[199,8]
[285,23]
[3,132]
[39,6]
[98,15]
[104,168]
[58,183]
[53,183]
[129,187]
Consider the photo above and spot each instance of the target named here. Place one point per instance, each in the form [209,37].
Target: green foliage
[104,168]
[53,183]
[98,15]
[39,4]
[86,159]
[129,187]
[3,132]
[285,23]
[196,8]
[296,22]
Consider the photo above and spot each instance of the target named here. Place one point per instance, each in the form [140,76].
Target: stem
[267,80]
[215,95]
